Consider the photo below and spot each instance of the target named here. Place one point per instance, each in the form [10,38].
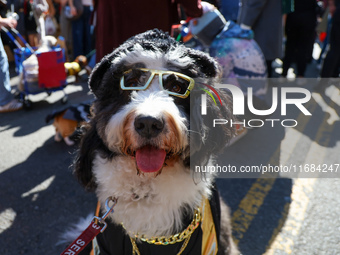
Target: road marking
[333,116]
[253,200]
[40,187]
[300,195]
[334,93]
[249,206]
[293,216]
[7,218]
[277,230]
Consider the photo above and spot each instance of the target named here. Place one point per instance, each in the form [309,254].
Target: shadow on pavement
[44,199]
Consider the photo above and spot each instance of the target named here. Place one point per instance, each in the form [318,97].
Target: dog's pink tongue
[150,159]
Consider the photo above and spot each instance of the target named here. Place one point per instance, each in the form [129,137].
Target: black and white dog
[139,143]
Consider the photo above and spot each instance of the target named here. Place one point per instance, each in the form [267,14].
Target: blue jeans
[5,85]
[81,33]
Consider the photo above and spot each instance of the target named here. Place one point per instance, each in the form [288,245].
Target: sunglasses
[175,84]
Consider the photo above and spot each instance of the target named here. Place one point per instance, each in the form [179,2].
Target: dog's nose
[148,126]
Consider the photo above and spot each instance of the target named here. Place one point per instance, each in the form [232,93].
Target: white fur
[75,230]
[148,205]
[157,210]
[154,59]
[152,102]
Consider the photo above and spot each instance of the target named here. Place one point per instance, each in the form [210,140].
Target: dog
[138,146]
[74,68]
[67,122]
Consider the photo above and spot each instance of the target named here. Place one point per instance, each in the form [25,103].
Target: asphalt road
[39,197]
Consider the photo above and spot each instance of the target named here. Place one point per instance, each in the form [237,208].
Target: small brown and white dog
[74,68]
[142,139]
[67,122]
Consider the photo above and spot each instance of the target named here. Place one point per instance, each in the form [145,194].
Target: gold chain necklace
[135,250]
[163,240]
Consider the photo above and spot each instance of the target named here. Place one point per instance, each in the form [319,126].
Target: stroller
[42,71]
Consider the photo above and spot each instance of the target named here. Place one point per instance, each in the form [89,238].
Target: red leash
[91,231]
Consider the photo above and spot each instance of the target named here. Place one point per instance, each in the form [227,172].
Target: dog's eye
[135,78]
[174,84]
[134,82]
[176,88]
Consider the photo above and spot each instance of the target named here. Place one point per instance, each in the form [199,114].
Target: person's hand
[40,9]
[73,10]
[6,22]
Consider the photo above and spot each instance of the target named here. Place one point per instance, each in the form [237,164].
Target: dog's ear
[84,159]
[90,145]
[205,138]
[221,111]
[207,65]
[98,73]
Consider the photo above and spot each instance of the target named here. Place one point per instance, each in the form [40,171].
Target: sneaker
[12,106]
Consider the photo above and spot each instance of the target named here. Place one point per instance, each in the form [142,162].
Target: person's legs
[290,47]
[326,41]
[33,39]
[66,32]
[336,72]
[5,86]
[289,55]
[7,101]
[269,68]
[87,30]
[77,37]
[305,41]
[329,68]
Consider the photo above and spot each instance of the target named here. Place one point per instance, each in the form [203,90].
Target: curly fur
[152,204]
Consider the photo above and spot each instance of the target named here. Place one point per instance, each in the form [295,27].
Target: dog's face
[81,60]
[143,134]
[142,111]
[151,127]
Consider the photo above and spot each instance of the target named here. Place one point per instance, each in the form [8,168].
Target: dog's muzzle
[148,127]
[149,158]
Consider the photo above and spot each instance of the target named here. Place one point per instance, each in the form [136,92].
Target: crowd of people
[102,25]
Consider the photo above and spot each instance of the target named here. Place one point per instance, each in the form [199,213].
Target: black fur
[89,146]
[207,140]
[104,83]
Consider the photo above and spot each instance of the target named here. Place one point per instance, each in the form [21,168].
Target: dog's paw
[58,137]
[68,141]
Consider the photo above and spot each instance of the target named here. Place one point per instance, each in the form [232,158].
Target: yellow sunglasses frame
[160,74]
